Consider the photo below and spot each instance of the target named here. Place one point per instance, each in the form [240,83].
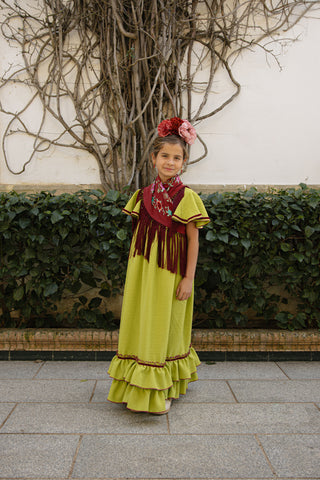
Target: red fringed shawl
[171,236]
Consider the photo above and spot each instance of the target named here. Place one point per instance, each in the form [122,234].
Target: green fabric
[154,360]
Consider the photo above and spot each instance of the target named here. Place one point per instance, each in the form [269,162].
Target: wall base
[211,345]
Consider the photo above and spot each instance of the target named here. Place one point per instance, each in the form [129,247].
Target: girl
[155,361]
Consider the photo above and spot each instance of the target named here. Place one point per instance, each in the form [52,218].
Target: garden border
[211,344]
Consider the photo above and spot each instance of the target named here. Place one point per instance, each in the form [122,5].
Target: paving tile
[301,370]
[240,370]
[293,455]
[74,370]
[36,456]
[176,456]
[82,418]
[46,390]
[19,369]
[276,391]
[101,391]
[243,418]
[5,409]
[208,391]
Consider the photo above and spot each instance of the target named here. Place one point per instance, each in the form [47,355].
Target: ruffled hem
[144,388]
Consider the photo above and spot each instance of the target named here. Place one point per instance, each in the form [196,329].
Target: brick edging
[203,340]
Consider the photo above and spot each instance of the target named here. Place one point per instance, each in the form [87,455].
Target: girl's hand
[184,289]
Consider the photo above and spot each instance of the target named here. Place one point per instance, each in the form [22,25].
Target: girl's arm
[184,289]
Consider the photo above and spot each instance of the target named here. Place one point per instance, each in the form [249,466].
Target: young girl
[155,361]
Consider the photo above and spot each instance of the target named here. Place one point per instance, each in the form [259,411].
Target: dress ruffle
[191,209]
[145,388]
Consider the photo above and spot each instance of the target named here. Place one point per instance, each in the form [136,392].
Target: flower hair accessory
[177,126]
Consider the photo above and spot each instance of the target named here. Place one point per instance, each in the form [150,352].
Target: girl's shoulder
[133,205]
[191,209]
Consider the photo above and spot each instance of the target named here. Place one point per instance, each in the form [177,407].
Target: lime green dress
[155,360]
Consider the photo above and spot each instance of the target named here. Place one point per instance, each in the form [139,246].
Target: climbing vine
[106,72]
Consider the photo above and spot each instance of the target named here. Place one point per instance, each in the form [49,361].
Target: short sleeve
[191,209]
[133,206]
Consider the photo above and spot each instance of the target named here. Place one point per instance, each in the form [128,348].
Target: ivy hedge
[259,258]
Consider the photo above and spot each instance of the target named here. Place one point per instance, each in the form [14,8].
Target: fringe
[172,241]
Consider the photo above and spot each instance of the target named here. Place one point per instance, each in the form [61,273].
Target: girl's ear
[153,159]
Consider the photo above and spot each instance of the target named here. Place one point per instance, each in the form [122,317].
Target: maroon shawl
[155,221]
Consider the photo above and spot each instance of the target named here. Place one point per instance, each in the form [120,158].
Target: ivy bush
[259,258]
[55,247]
[258,244]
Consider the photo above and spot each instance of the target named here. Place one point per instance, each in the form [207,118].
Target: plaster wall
[268,135]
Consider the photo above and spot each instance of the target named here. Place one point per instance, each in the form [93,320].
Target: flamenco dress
[155,360]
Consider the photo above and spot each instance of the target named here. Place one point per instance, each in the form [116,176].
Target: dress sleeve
[133,206]
[191,209]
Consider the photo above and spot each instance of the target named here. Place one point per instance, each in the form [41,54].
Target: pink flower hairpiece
[177,126]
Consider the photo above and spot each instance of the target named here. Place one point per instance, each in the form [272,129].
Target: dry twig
[108,71]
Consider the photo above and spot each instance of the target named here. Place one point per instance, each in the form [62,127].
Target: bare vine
[108,71]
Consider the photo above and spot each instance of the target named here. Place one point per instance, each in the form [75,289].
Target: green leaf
[18,293]
[301,318]
[104,292]
[224,237]
[83,299]
[223,274]
[309,231]
[63,231]
[29,253]
[285,247]
[97,193]
[112,195]
[92,217]
[24,222]
[56,217]
[122,235]
[210,236]
[89,315]
[34,272]
[95,302]
[245,243]
[50,289]
[260,301]
[314,202]
[114,212]
[34,211]
[88,279]
[95,244]
[234,233]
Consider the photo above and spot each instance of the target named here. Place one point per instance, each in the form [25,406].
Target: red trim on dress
[198,217]
[153,364]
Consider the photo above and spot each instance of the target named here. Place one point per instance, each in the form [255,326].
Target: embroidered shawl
[158,203]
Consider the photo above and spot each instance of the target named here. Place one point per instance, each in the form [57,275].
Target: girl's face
[168,161]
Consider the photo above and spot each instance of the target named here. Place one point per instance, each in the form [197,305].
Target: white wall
[268,135]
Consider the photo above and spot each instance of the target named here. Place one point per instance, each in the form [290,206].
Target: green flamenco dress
[155,360]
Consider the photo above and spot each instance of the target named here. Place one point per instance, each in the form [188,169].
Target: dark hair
[172,140]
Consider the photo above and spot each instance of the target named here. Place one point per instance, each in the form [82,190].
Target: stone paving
[241,420]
